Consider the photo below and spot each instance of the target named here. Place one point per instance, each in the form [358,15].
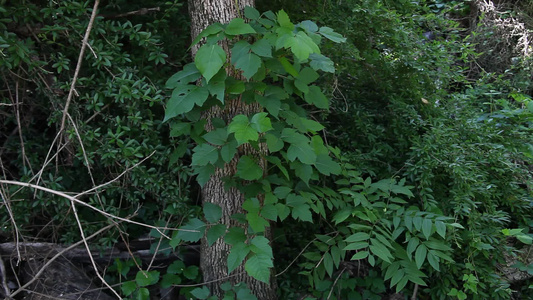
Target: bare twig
[142,11]
[78,66]
[415,291]
[89,251]
[12,218]
[36,276]
[3,276]
[335,282]
[74,199]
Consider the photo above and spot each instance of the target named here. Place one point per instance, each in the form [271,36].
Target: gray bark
[213,260]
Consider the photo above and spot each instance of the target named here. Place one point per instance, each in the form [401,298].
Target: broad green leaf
[284,21]
[203,174]
[179,129]
[312,126]
[256,222]
[316,97]
[204,154]
[262,48]
[302,171]
[251,13]
[237,27]
[183,100]
[357,237]
[217,137]
[420,255]
[321,62]
[235,235]
[399,275]
[143,294]
[247,169]
[427,225]
[191,272]
[283,211]
[214,233]
[328,263]
[309,26]
[146,278]
[417,222]
[336,255]
[331,35]
[272,104]
[258,266]
[261,245]
[302,45]
[289,68]
[433,261]
[236,255]
[176,267]
[201,293]
[441,228]
[209,30]
[302,152]
[217,86]
[261,122]
[189,74]
[128,287]
[249,63]
[401,190]
[356,246]
[302,212]
[193,231]
[391,270]
[209,59]
[269,212]
[212,212]
[169,280]
[342,215]
[380,250]
[325,165]
[274,143]
[359,255]
[228,151]
[242,128]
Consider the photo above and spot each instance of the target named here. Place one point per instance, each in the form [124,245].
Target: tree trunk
[214,259]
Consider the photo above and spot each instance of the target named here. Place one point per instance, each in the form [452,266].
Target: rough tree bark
[214,258]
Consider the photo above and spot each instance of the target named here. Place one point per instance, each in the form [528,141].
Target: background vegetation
[430,113]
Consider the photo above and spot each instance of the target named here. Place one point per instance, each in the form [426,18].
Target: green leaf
[209,59]
[359,255]
[284,21]
[283,211]
[303,152]
[268,211]
[441,228]
[217,137]
[146,278]
[331,35]
[143,294]
[191,272]
[274,142]
[356,246]
[261,245]
[401,190]
[272,104]
[217,86]
[309,26]
[256,222]
[193,231]
[204,154]
[302,171]
[380,250]
[201,293]
[328,263]
[189,74]
[420,256]
[203,174]
[235,235]
[247,169]
[237,26]
[176,267]
[236,255]
[128,287]
[316,97]
[251,13]
[302,45]
[169,280]
[325,165]
[212,212]
[242,128]
[261,122]
[228,151]
[249,63]
[262,48]
[258,266]
[287,66]
[357,237]
[209,30]
[321,62]
[302,212]
[427,225]
[214,233]
[433,261]
[183,100]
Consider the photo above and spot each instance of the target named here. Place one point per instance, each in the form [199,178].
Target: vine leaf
[214,233]
[188,74]
[209,59]
[303,152]
[247,169]
[237,26]
[316,97]
[184,98]
[204,154]
[236,255]
[242,128]
[258,266]
[261,122]
[212,212]
[321,62]
[331,35]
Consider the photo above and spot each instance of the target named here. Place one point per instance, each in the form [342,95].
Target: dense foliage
[399,158]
